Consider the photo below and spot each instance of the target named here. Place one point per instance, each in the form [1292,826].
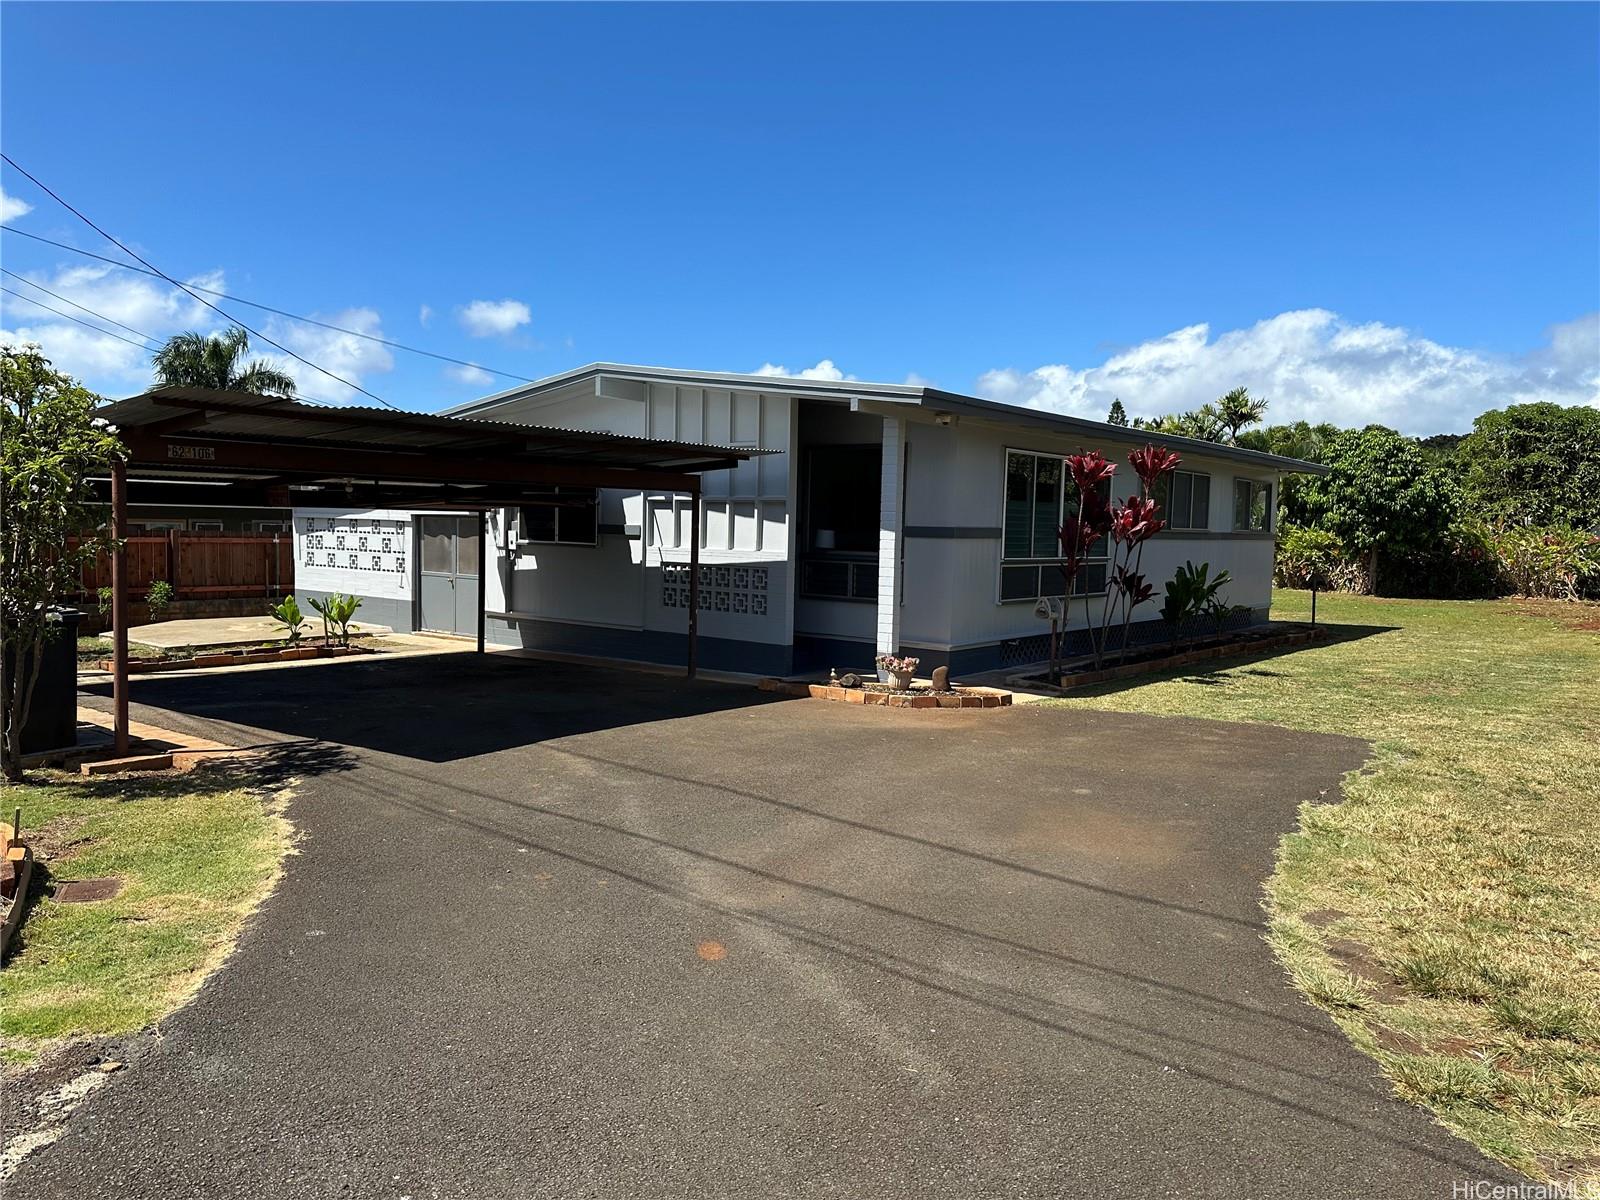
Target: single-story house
[891,518]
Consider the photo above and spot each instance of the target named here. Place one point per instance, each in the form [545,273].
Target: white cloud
[494,318]
[103,361]
[1313,364]
[823,370]
[11,208]
[914,380]
[424,315]
[352,358]
[472,376]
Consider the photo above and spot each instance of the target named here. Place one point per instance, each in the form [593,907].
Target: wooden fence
[201,564]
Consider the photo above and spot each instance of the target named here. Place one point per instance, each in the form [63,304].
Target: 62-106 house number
[204,453]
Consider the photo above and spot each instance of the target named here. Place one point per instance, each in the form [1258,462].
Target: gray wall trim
[641,645]
[985,532]
[611,527]
[1221,535]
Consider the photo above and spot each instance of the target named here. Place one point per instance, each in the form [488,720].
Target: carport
[209,446]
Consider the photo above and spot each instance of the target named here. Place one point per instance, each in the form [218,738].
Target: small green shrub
[103,599]
[158,599]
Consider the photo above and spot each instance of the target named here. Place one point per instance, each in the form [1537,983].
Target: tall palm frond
[213,361]
[1238,409]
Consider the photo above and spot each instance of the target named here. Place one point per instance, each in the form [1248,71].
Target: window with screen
[1039,493]
[560,514]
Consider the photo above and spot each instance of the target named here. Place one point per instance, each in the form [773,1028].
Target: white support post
[890,521]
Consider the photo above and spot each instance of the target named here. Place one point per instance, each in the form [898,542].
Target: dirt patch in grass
[1581,615]
[1446,909]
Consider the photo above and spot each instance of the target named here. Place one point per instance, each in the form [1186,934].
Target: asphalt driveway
[556,931]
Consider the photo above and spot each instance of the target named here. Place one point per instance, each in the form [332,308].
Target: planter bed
[1148,660]
[888,697]
[234,658]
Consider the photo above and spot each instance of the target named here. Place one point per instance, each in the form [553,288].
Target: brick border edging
[964,697]
[1237,649]
[201,661]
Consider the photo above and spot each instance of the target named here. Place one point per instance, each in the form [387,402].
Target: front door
[449,591]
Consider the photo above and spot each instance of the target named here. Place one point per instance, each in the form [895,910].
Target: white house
[892,518]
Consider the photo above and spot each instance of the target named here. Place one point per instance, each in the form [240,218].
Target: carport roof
[193,435]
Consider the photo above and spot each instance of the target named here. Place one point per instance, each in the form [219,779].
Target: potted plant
[897,671]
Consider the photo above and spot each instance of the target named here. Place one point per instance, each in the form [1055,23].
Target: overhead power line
[187,290]
[79,320]
[76,305]
[382,341]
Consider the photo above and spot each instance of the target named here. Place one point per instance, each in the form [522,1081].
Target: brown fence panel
[201,564]
[233,564]
[147,562]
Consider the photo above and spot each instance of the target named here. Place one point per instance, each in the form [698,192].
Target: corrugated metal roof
[251,418]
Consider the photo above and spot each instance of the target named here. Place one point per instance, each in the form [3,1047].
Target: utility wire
[185,288]
[79,320]
[460,362]
[76,305]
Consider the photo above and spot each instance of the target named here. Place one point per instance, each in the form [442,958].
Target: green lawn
[197,852]
[1453,896]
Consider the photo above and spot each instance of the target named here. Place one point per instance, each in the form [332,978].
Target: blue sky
[1374,212]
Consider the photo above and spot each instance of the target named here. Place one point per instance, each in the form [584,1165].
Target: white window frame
[1197,476]
[1266,514]
[272,527]
[1034,561]
[206,525]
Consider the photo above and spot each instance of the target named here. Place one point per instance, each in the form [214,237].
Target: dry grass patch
[197,852]
[1453,893]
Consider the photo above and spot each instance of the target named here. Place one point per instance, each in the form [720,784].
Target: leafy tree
[196,360]
[1381,494]
[1534,464]
[51,444]
[1238,409]
[1441,447]
[1118,415]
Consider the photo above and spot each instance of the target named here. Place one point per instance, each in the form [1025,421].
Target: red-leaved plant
[1131,523]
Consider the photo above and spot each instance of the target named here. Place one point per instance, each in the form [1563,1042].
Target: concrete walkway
[560,931]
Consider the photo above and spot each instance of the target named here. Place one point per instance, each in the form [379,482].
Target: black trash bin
[53,716]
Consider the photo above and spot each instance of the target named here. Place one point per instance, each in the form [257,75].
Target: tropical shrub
[336,612]
[1555,562]
[1191,592]
[287,613]
[1314,558]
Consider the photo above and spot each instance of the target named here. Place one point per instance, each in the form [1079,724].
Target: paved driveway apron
[555,931]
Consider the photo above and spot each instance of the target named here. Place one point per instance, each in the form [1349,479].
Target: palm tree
[1238,409]
[198,360]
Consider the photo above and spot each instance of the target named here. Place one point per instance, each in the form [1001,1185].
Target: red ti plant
[1136,522]
[1079,533]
